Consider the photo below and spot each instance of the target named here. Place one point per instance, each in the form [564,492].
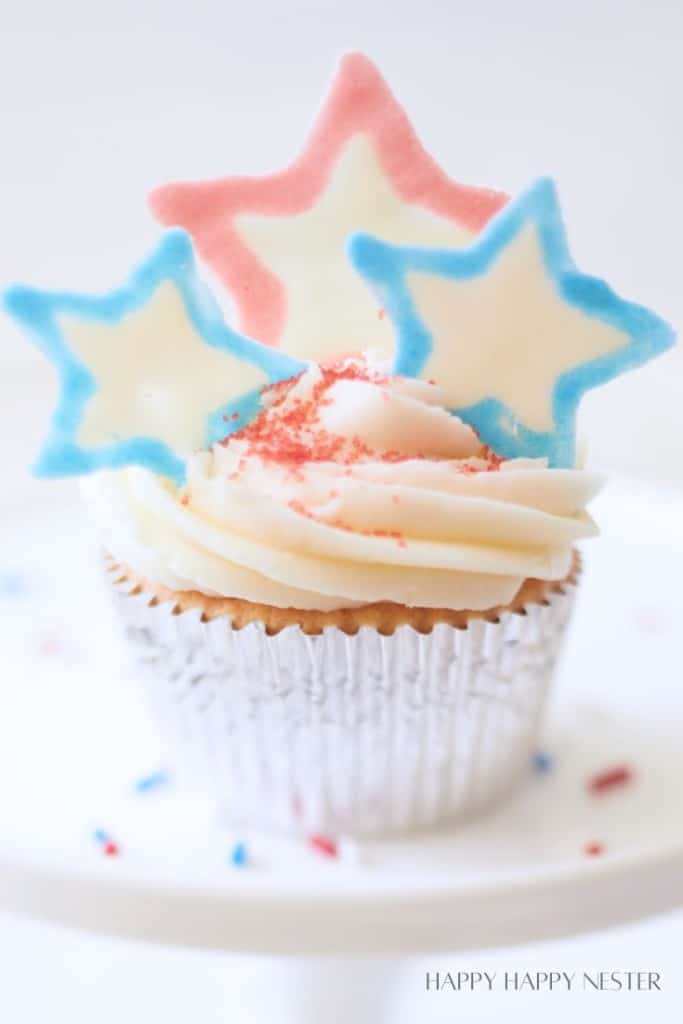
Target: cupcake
[351,608]
[342,535]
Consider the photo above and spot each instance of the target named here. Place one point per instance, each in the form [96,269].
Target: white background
[101,101]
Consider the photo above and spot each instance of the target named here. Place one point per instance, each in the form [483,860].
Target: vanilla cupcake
[352,609]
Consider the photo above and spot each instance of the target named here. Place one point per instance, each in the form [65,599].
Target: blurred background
[101,101]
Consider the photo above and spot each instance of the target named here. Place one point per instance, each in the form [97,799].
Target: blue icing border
[385,266]
[233,416]
[37,311]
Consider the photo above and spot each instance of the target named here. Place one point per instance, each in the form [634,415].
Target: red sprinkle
[298,507]
[593,849]
[324,845]
[288,430]
[294,434]
[50,644]
[110,849]
[612,778]
[185,500]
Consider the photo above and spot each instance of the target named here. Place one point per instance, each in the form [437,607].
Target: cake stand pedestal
[73,740]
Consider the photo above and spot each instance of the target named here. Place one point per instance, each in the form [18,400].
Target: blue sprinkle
[542,762]
[13,584]
[100,836]
[149,782]
[238,856]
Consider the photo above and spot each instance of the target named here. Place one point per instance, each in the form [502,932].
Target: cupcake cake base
[367,721]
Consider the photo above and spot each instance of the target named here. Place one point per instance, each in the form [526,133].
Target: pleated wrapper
[341,734]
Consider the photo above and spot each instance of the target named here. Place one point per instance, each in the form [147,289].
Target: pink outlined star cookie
[278,242]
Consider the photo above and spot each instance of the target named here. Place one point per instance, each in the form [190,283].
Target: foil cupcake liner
[359,734]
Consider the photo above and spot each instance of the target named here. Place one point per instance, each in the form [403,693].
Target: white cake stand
[73,740]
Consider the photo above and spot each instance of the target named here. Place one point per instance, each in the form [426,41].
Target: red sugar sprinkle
[593,849]
[298,506]
[612,778]
[291,434]
[185,500]
[110,849]
[50,644]
[494,461]
[324,845]
[381,313]
[288,430]
[393,456]
[339,524]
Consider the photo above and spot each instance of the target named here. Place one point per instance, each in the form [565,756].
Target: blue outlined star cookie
[149,372]
[509,327]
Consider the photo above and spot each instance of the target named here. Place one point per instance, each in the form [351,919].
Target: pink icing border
[359,101]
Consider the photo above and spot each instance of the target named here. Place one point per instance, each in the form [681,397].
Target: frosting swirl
[349,487]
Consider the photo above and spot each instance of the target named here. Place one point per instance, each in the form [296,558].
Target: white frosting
[428,524]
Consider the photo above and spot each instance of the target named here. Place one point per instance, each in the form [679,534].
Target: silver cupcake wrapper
[339,734]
